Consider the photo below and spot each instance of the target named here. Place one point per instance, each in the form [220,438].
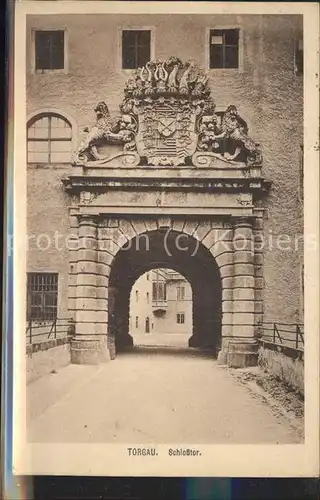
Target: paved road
[151,395]
[161,339]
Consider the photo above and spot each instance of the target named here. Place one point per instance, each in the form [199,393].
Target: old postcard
[166,240]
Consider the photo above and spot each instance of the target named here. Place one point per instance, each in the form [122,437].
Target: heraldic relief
[168,118]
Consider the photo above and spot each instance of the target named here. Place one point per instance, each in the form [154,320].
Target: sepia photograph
[164,286]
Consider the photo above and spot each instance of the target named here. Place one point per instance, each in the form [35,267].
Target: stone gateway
[166,159]
[173,174]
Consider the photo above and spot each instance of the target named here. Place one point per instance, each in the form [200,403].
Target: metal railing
[285,335]
[159,303]
[41,330]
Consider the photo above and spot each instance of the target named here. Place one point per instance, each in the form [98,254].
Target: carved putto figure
[167,118]
[209,132]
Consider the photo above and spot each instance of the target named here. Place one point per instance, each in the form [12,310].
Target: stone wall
[286,369]
[265,90]
[48,227]
[168,323]
[45,357]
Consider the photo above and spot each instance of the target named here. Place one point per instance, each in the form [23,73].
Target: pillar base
[222,358]
[242,354]
[88,352]
[111,343]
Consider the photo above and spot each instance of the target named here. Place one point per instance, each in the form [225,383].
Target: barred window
[49,139]
[224,48]
[49,49]
[42,296]
[135,48]
[180,318]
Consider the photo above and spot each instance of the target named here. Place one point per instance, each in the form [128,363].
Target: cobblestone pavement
[152,395]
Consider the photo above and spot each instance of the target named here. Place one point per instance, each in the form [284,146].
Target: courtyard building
[161,303]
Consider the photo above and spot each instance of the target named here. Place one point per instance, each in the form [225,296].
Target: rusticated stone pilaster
[258,267]
[238,306]
[89,343]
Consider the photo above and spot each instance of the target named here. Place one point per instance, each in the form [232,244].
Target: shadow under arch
[186,255]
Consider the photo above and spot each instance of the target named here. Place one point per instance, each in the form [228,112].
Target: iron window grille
[49,139]
[42,296]
[224,48]
[180,318]
[136,46]
[49,50]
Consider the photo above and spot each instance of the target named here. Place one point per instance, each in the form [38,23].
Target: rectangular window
[159,291]
[49,50]
[298,57]
[180,318]
[137,296]
[180,293]
[42,296]
[137,321]
[147,295]
[135,48]
[224,48]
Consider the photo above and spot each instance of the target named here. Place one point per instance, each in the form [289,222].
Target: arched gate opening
[164,248]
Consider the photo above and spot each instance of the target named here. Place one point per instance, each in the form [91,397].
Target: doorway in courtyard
[156,273]
[161,309]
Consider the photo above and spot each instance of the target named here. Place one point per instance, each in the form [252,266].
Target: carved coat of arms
[166,133]
[167,119]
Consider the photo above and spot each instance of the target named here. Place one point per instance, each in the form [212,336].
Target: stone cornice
[75,184]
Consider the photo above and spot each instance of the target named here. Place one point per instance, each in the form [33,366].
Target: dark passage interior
[177,251]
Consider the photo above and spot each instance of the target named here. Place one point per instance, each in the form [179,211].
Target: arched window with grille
[49,139]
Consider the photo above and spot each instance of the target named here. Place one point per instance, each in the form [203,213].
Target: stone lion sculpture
[226,135]
[235,128]
[105,130]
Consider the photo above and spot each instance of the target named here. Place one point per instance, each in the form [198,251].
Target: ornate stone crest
[166,133]
[168,119]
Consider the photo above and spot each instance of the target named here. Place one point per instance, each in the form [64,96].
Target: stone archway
[183,253]
[203,180]
[217,257]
